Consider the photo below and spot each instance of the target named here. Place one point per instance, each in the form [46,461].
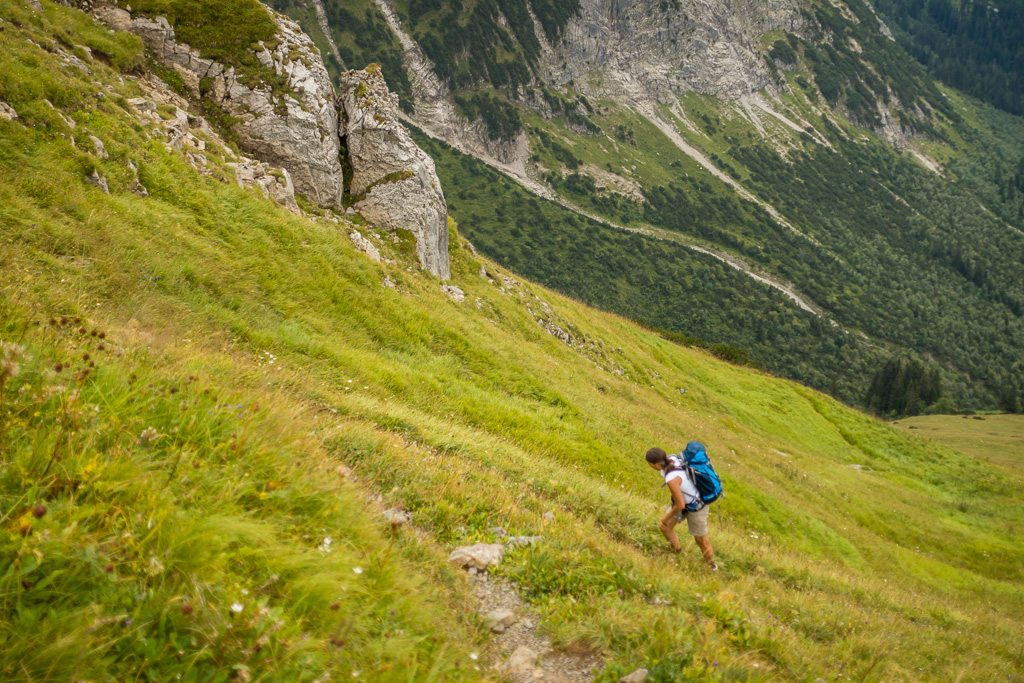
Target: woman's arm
[677,499]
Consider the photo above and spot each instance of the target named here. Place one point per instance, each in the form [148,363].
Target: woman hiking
[683,491]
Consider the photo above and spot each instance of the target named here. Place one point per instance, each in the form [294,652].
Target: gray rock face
[397,180]
[636,47]
[275,183]
[296,130]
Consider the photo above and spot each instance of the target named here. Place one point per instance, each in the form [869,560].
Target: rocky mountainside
[794,142]
[284,110]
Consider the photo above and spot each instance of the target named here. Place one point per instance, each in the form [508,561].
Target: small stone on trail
[549,516]
[523,661]
[638,676]
[479,556]
[499,620]
[498,532]
[343,471]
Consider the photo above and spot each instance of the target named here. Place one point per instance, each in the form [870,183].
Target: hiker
[684,493]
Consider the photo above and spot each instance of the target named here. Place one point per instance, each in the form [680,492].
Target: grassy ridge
[470,415]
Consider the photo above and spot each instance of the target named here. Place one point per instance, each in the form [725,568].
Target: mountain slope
[848,548]
[797,141]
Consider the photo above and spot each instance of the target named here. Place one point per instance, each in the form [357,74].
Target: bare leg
[704,543]
[670,533]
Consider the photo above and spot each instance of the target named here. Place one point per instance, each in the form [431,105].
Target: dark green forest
[691,297]
[854,65]
[471,47]
[976,47]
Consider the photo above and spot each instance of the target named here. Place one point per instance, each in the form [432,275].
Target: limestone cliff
[298,131]
[295,130]
[394,179]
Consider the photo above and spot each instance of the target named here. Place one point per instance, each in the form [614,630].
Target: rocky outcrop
[275,183]
[395,181]
[296,132]
[294,128]
[661,49]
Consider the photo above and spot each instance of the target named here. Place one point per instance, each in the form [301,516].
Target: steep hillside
[797,143]
[209,401]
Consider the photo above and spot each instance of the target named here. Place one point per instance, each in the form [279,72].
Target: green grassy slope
[924,265]
[159,496]
[998,439]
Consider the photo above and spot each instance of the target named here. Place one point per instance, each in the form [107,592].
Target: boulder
[395,179]
[479,556]
[499,620]
[7,112]
[522,662]
[97,179]
[454,292]
[364,245]
[101,151]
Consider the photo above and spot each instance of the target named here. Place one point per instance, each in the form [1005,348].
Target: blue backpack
[698,467]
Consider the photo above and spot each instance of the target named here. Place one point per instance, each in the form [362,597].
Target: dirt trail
[555,667]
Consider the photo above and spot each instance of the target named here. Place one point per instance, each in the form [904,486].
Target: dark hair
[657,456]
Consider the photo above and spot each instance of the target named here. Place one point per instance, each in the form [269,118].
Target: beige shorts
[696,522]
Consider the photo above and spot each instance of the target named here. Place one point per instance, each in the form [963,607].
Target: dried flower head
[186,609]
[10,354]
[148,436]
[39,511]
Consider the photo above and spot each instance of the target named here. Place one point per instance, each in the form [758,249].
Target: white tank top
[686,486]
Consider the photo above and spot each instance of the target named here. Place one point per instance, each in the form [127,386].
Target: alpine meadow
[333,336]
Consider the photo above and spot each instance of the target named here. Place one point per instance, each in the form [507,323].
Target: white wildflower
[236,607]
[357,570]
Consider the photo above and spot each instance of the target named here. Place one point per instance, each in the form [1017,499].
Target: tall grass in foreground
[156,525]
